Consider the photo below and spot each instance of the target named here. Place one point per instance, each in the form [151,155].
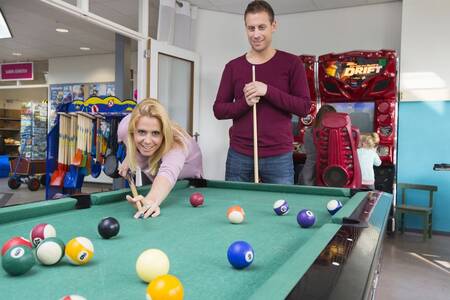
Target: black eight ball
[108,227]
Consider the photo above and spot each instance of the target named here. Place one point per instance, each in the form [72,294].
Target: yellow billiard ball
[79,250]
[165,287]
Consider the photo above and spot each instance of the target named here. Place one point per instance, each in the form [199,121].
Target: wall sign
[17,71]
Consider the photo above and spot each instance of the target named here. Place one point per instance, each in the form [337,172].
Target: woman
[160,148]
[308,174]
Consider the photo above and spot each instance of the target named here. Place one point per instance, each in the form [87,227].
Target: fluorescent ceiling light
[17,54]
[85,48]
[5,33]
[64,30]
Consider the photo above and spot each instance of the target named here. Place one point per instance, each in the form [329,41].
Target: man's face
[259,30]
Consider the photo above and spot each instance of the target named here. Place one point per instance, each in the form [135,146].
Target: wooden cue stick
[255,136]
[133,189]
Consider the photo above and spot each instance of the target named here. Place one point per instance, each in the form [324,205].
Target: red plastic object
[336,144]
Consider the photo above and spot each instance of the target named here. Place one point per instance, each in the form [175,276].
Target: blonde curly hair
[369,140]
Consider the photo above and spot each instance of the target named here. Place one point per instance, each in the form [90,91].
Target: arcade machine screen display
[361,114]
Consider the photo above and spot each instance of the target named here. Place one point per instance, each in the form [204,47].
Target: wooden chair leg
[430,222]
[425,227]
[402,223]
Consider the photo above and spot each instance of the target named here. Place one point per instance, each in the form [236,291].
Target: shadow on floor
[415,269]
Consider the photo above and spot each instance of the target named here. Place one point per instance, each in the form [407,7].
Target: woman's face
[147,135]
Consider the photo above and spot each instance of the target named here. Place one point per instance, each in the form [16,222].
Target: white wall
[81,69]
[425,72]
[221,37]
[15,98]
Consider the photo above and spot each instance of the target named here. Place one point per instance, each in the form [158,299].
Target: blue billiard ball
[240,254]
[281,207]
[333,206]
[306,218]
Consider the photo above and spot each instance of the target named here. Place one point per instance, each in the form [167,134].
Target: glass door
[174,81]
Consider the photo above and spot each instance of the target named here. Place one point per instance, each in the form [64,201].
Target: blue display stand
[4,166]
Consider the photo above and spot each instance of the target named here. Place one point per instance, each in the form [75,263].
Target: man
[280,89]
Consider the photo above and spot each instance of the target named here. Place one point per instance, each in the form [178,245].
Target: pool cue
[133,189]
[255,136]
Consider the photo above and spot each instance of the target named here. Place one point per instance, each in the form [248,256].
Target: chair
[426,211]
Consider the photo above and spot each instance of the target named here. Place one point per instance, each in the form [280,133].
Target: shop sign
[17,71]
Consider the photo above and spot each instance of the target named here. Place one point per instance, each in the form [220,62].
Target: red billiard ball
[196,199]
[15,241]
[40,232]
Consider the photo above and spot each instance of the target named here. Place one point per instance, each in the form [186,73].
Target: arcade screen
[361,114]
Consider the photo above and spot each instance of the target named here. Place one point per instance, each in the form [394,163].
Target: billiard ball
[165,287]
[108,227]
[306,218]
[196,199]
[50,251]
[281,207]
[240,254]
[72,297]
[41,232]
[152,263]
[18,260]
[235,214]
[333,206]
[16,241]
[79,251]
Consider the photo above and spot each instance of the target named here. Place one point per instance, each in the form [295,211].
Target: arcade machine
[363,84]
[299,125]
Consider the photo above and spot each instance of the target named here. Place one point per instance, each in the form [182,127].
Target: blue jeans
[275,169]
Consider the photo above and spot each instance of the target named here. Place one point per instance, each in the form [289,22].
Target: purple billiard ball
[306,218]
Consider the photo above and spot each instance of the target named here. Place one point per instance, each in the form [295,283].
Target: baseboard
[434,232]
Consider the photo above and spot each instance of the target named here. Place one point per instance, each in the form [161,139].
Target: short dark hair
[257,6]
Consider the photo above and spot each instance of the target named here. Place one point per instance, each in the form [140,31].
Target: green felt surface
[195,239]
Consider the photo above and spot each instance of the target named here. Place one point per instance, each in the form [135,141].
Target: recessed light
[17,54]
[62,30]
[5,33]
[85,48]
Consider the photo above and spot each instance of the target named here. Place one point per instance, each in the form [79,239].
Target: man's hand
[252,101]
[255,89]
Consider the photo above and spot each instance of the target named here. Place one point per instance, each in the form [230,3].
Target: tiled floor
[415,269]
[24,195]
[411,268]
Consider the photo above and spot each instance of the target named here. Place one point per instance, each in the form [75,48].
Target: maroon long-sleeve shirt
[287,93]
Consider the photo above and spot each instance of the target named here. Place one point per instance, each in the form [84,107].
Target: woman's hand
[148,210]
[144,208]
[123,168]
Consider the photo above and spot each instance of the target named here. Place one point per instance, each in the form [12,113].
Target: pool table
[337,258]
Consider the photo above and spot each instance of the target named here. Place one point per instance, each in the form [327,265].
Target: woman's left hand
[149,209]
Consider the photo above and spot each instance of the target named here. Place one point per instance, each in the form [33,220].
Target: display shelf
[33,131]
[9,131]
[9,119]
